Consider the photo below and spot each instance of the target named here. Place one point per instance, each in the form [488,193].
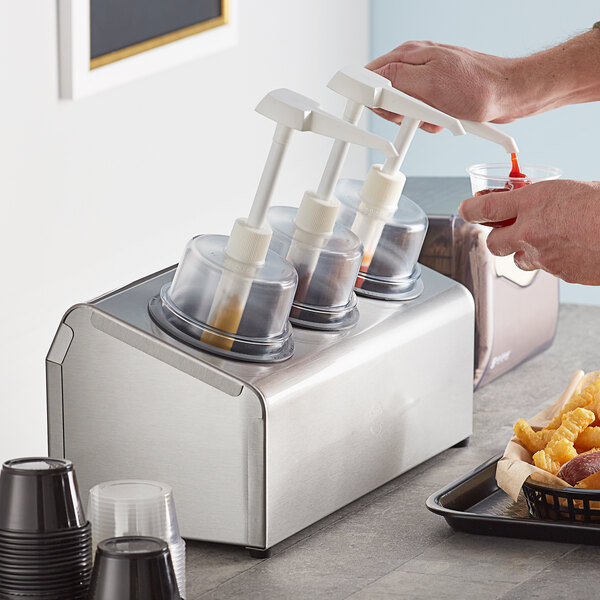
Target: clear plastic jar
[392,244]
[327,267]
[220,305]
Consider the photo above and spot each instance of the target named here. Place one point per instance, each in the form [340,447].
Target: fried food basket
[566,504]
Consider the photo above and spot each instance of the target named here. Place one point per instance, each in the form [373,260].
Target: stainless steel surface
[257,452]
[56,355]
[515,316]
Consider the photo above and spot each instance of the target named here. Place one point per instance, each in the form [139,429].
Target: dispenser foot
[463,444]
[256,553]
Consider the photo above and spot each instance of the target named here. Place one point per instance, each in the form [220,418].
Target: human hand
[556,228]
[460,82]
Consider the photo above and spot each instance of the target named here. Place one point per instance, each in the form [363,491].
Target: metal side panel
[129,414]
[333,440]
[54,390]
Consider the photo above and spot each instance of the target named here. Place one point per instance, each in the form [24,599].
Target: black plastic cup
[50,538]
[8,560]
[45,543]
[40,496]
[129,568]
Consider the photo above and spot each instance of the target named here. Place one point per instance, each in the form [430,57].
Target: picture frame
[82,74]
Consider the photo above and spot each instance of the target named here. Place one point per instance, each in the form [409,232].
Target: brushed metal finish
[257,452]
[514,320]
[56,355]
[128,414]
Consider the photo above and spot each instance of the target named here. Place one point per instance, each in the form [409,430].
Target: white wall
[567,138]
[98,192]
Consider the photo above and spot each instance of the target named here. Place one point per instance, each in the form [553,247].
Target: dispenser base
[258,452]
[385,289]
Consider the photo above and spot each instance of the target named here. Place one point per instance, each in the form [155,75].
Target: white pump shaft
[402,142]
[250,238]
[338,153]
[266,185]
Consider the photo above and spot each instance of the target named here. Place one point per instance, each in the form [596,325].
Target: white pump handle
[492,134]
[303,114]
[375,91]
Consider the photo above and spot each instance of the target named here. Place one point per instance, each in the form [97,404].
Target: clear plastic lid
[392,245]
[220,305]
[327,267]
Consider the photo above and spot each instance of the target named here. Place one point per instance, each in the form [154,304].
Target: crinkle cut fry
[573,423]
[589,438]
[554,456]
[560,448]
[528,437]
[589,397]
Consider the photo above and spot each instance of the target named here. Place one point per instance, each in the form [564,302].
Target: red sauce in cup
[515,173]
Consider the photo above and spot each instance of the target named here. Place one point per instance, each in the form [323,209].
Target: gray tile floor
[388,545]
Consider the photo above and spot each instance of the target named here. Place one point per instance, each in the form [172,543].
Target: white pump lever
[492,134]
[363,86]
[249,239]
[375,91]
[303,114]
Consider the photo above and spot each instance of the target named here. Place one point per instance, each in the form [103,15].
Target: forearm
[566,74]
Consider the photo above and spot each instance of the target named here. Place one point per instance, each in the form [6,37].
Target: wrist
[516,89]
[565,74]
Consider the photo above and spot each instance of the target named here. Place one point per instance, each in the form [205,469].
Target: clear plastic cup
[494,177]
[392,244]
[491,176]
[137,508]
[327,267]
[214,305]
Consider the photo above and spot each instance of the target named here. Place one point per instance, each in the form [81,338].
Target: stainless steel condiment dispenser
[256,452]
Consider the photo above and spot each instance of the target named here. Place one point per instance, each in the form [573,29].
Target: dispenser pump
[250,238]
[492,134]
[384,184]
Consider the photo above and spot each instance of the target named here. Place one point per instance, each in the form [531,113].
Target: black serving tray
[475,504]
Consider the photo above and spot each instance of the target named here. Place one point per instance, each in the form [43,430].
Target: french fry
[589,438]
[555,455]
[588,398]
[532,440]
[528,437]
[573,423]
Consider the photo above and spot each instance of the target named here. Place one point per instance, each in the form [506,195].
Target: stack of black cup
[45,541]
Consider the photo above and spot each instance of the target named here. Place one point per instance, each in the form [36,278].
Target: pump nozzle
[492,134]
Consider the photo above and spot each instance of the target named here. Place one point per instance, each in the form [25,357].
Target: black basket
[566,504]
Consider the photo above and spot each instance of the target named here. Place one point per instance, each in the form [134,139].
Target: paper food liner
[515,466]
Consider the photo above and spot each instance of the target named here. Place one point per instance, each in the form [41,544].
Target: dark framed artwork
[104,43]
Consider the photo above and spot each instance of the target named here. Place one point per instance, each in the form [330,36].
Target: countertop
[388,545]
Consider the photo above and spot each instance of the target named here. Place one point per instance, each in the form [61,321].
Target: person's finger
[525,262]
[388,116]
[394,118]
[490,208]
[430,128]
[416,53]
[504,241]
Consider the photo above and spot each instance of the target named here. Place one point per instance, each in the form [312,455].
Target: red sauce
[516,169]
[515,173]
